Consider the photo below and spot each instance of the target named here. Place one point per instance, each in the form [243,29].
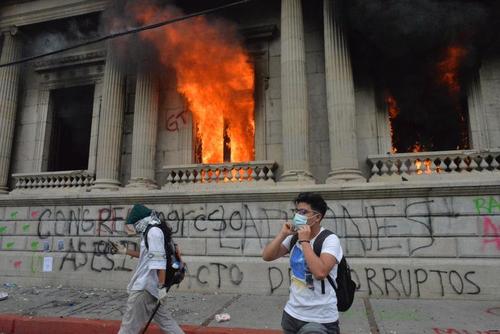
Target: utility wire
[126,32]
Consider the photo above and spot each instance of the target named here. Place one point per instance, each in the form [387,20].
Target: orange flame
[416,148]
[215,76]
[393,109]
[448,68]
[426,168]
[392,106]
[449,76]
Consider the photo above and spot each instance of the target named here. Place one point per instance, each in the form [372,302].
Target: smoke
[413,28]
[123,15]
[61,34]
[409,46]
[212,70]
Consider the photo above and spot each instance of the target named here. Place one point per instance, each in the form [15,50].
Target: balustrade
[406,166]
[259,172]
[54,180]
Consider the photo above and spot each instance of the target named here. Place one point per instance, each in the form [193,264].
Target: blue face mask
[299,220]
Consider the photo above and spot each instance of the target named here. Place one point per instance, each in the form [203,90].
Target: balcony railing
[435,165]
[254,172]
[75,179]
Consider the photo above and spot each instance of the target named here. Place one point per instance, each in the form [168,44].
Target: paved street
[196,312]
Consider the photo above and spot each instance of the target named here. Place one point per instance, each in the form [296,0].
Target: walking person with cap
[147,286]
[312,305]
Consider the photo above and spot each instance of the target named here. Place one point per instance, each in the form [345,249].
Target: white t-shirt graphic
[307,304]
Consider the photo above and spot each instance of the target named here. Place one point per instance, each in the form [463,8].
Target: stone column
[110,124]
[344,164]
[478,125]
[9,89]
[145,127]
[294,94]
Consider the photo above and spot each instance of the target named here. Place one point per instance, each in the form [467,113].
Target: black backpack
[344,286]
[173,275]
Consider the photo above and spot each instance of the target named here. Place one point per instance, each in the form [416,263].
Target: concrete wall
[418,247]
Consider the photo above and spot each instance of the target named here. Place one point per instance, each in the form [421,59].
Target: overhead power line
[126,32]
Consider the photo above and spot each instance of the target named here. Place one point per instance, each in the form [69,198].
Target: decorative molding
[84,58]
[264,32]
[260,194]
[32,12]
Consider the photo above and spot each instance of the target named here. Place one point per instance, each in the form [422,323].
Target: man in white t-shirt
[147,286]
[308,309]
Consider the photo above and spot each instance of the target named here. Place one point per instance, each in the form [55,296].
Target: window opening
[71,126]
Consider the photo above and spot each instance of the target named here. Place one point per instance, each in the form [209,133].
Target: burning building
[387,108]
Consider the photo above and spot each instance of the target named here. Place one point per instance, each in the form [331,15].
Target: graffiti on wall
[489,206]
[177,121]
[81,237]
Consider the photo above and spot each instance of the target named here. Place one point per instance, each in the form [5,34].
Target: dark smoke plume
[402,42]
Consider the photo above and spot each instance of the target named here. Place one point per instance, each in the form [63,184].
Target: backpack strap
[293,241]
[166,237]
[145,234]
[318,245]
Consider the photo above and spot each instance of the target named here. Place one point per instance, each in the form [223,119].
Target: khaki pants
[140,306]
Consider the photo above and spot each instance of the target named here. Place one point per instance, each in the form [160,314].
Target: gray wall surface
[428,247]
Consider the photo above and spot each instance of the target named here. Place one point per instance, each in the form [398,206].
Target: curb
[15,324]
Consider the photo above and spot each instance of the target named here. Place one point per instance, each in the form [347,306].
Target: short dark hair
[315,200]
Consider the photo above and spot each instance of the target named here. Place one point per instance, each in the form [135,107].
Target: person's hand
[162,295]
[119,248]
[287,229]
[304,232]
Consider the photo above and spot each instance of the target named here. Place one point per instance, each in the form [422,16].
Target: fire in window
[422,56]
[215,75]
[428,106]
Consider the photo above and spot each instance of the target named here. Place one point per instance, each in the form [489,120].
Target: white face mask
[299,220]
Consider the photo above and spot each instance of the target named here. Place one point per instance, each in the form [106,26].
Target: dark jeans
[291,325]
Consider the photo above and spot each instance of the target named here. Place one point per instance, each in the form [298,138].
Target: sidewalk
[57,310]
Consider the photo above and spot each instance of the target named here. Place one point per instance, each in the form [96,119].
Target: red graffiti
[494,311]
[491,233]
[17,264]
[34,214]
[173,121]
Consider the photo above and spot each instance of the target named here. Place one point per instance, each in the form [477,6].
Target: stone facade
[415,247]
[408,231]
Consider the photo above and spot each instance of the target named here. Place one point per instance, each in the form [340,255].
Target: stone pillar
[478,125]
[110,124]
[294,94]
[344,164]
[145,127]
[9,89]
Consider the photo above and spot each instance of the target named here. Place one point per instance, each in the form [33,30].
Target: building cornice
[257,194]
[75,59]
[31,12]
